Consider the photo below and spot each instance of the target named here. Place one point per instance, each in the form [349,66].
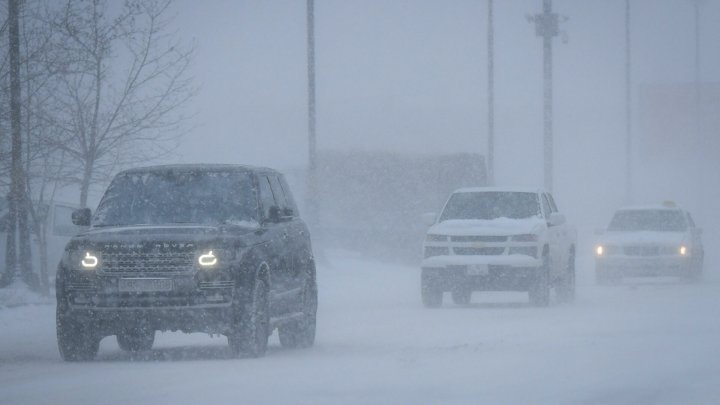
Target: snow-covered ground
[643,342]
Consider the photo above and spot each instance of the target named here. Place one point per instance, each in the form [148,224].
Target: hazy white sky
[411,76]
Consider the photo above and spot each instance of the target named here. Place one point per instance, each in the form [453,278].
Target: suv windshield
[648,220]
[491,205]
[178,197]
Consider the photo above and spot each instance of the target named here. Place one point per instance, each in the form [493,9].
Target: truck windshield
[648,220]
[491,205]
[177,197]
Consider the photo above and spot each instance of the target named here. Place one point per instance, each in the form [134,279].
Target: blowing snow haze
[402,120]
[411,77]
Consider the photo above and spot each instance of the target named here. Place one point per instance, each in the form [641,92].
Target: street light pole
[491,97]
[547,26]
[628,109]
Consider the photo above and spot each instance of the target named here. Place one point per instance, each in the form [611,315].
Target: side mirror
[429,218]
[556,219]
[81,217]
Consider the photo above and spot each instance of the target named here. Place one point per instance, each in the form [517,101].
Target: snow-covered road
[634,344]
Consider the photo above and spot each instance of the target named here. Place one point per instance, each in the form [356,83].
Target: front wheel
[461,295]
[566,284]
[301,332]
[539,293]
[77,341]
[430,291]
[250,331]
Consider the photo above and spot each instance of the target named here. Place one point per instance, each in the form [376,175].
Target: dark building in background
[372,202]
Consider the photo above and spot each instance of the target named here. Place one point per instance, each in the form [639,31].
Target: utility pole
[698,116]
[491,97]
[18,233]
[547,26]
[312,189]
[628,110]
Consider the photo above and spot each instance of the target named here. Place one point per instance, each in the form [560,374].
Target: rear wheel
[539,292]
[77,341]
[604,276]
[136,339]
[250,331]
[430,291]
[301,332]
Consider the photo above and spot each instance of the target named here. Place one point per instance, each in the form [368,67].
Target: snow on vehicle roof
[197,166]
[498,189]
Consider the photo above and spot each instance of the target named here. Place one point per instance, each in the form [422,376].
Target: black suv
[197,248]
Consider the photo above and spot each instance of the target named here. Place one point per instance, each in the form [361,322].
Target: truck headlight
[528,237]
[435,238]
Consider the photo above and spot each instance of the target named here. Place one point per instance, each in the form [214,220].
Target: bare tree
[123,87]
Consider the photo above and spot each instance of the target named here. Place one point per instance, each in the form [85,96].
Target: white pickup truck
[498,239]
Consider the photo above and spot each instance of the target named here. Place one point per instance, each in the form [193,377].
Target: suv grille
[642,250]
[147,262]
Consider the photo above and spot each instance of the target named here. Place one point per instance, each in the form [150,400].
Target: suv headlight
[210,258]
[83,259]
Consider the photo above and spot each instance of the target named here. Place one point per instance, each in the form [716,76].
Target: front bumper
[481,273]
[630,266]
[191,306]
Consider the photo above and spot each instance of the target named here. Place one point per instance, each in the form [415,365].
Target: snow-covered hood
[493,227]
[643,238]
[194,233]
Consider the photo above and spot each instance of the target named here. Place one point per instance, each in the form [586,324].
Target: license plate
[477,270]
[145,284]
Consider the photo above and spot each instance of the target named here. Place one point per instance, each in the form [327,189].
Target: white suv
[659,240]
[496,239]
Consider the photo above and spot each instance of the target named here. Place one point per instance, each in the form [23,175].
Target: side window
[278,192]
[288,196]
[546,206]
[266,196]
[552,203]
[690,220]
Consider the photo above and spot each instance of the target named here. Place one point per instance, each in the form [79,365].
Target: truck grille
[486,251]
[147,262]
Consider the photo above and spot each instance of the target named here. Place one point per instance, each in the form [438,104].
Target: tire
[136,339]
[604,277]
[566,285]
[694,271]
[301,333]
[461,295]
[77,341]
[539,292]
[251,324]
[431,293]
